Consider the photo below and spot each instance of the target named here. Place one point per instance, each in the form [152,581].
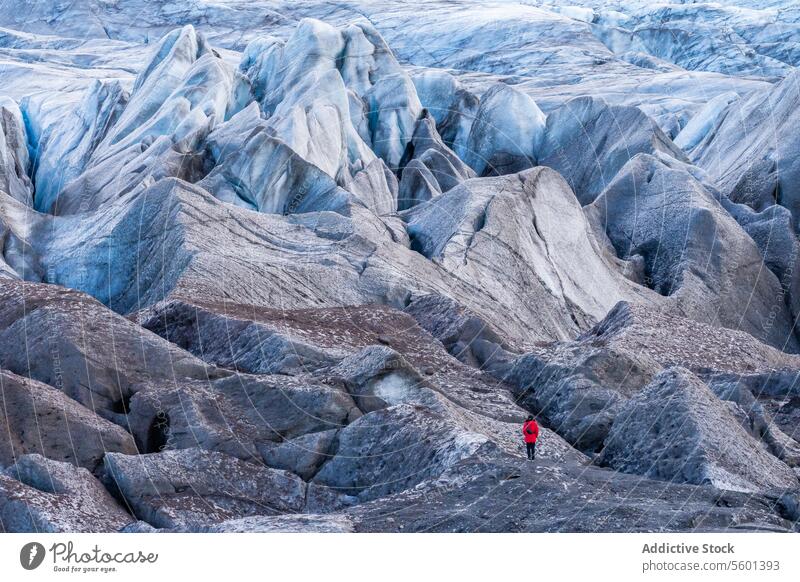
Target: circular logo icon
[31,555]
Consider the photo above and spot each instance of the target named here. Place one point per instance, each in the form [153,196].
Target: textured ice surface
[331,214]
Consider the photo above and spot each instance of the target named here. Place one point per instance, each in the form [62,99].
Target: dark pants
[531,448]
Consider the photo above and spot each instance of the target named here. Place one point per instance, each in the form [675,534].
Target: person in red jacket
[530,431]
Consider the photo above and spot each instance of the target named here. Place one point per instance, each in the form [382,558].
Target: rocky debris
[45,496]
[233,336]
[671,340]
[759,397]
[307,523]
[36,418]
[464,334]
[234,415]
[676,429]
[389,361]
[395,448]
[578,390]
[96,358]
[579,386]
[380,379]
[378,376]
[340,298]
[476,496]
[303,455]
[260,340]
[192,487]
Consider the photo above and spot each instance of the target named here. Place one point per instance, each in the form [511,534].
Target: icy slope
[320,259]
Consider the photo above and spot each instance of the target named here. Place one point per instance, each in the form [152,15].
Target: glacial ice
[704,121]
[506,134]
[67,146]
[294,222]
[14,159]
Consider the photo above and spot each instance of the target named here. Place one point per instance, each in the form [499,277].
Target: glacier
[293,266]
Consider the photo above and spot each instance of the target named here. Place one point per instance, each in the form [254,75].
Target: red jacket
[530,430]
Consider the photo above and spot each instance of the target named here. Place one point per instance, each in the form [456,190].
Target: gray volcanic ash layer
[277,266]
